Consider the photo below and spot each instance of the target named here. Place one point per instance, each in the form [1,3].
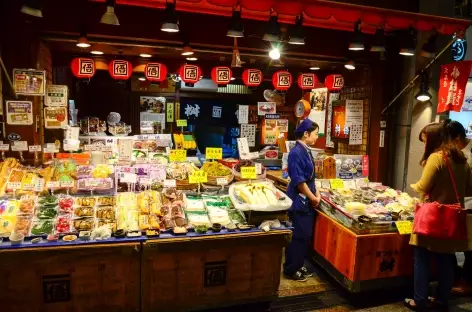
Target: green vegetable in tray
[236,216]
[48,200]
[43,227]
[46,212]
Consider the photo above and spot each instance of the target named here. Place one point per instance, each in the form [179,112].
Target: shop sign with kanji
[452,84]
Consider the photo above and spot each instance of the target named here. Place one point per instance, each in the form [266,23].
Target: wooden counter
[279,182]
[362,262]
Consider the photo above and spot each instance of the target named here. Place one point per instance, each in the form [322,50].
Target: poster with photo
[318,102]
[55,117]
[264,108]
[152,104]
[282,125]
[29,82]
[19,113]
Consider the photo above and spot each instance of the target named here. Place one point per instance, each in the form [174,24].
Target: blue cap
[305,125]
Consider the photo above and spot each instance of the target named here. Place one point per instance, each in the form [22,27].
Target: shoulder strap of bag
[452,178]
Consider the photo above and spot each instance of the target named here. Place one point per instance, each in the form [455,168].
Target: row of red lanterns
[190,74]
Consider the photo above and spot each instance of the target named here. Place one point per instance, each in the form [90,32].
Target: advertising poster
[264,108]
[56,95]
[318,102]
[55,117]
[19,113]
[29,82]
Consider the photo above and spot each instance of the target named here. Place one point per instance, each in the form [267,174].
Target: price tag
[404,227]
[128,177]
[221,181]
[318,184]
[90,147]
[19,146]
[107,149]
[362,182]
[178,155]
[125,148]
[39,185]
[197,177]
[34,148]
[52,185]
[145,181]
[14,185]
[258,168]
[336,184]
[50,148]
[350,184]
[67,184]
[325,184]
[181,122]
[4,147]
[28,187]
[248,173]
[214,153]
[169,183]
[162,143]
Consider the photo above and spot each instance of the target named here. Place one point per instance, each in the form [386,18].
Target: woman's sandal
[413,307]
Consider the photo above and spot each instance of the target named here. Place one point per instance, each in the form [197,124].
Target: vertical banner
[452,83]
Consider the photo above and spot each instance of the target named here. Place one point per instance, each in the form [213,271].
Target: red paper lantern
[83,67]
[252,77]
[334,82]
[155,72]
[190,74]
[221,75]
[120,70]
[307,81]
[282,80]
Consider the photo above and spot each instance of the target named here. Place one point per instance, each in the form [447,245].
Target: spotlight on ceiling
[274,54]
[192,59]
[409,46]
[96,52]
[357,38]
[171,20]
[83,42]
[297,35]
[379,41]
[145,55]
[423,95]
[187,50]
[350,65]
[110,17]
[273,29]
[142,78]
[236,28]
[32,8]
[429,48]
[314,68]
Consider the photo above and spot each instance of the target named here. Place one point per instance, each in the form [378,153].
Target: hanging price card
[34,148]
[67,184]
[181,122]
[178,155]
[350,184]
[197,177]
[52,184]
[404,227]
[14,185]
[214,153]
[19,146]
[39,185]
[258,168]
[221,181]
[325,184]
[28,186]
[4,147]
[169,183]
[336,184]
[248,172]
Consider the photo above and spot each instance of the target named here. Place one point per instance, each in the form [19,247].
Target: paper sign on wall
[55,117]
[19,113]
[29,81]
[56,95]
[249,131]
[170,112]
[125,150]
[243,114]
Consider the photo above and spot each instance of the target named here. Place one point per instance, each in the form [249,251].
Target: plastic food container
[16,239]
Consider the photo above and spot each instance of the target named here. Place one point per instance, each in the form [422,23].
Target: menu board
[19,113]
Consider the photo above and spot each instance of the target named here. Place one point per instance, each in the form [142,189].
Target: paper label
[67,184]
[214,153]
[221,181]
[325,184]
[39,185]
[4,147]
[34,148]
[178,155]
[28,187]
[350,184]
[169,183]
[181,122]
[248,172]
[318,184]
[198,176]
[52,184]
[125,149]
[128,177]
[91,147]
[336,184]
[19,146]
[258,168]
[14,185]
[404,227]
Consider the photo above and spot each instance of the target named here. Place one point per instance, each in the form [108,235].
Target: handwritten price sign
[248,172]
[336,184]
[404,227]
[178,155]
[197,177]
[181,122]
[214,153]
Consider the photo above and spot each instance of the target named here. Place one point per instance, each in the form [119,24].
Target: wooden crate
[202,272]
[360,262]
[87,278]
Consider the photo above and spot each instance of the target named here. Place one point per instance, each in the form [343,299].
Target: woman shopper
[435,185]
[305,197]
[457,135]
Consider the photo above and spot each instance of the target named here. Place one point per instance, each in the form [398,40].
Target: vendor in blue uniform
[305,197]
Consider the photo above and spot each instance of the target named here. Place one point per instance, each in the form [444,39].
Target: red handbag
[440,220]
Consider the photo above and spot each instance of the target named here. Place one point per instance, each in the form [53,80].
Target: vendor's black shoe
[305,272]
[298,277]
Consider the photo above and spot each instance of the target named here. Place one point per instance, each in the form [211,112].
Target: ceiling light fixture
[273,29]
[110,17]
[429,48]
[274,54]
[187,50]
[192,59]
[142,78]
[423,95]
[32,8]
[297,35]
[145,55]
[357,38]
[314,68]
[171,20]
[350,65]
[97,52]
[379,41]
[409,45]
[83,42]
[236,28]
[232,78]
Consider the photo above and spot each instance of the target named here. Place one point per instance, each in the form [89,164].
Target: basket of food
[247,163]
[180,173]
[215,171]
